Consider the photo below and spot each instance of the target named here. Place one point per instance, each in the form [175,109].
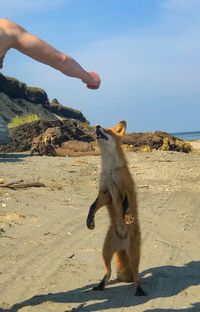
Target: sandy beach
[49,260]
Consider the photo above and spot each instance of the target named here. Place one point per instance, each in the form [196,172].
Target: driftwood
[44,143]
[20,184]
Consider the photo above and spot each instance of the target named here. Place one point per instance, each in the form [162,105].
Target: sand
[49,260]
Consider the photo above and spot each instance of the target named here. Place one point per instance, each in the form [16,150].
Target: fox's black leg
[103,199]
[134,259]
[102,284]
[140,291]
[125,205]
[90,218]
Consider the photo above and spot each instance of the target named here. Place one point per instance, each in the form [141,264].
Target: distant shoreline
[187,136]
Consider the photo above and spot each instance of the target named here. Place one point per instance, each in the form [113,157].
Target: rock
[18,90]
[37,95]
[58,109]
[158,140]
[21,137]
[16,98]
[12,87]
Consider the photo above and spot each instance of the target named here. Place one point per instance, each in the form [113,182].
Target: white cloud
[176,5]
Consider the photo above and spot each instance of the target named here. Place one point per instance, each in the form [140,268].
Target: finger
[92,87]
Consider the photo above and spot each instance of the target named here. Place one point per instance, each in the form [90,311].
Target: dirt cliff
[16,98]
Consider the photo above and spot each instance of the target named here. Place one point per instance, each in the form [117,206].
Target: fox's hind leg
[124,271]
[108,251]
[134,259]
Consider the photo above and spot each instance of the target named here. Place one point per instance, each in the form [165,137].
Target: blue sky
[146,51]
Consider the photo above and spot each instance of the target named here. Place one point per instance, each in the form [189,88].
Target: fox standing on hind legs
[117,192]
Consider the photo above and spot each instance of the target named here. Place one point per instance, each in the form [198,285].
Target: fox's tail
[124,272]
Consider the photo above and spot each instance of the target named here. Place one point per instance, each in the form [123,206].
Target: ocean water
[187,136]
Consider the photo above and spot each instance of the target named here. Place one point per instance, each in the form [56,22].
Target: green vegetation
[21,120]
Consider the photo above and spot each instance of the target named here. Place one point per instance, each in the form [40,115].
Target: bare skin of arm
[14,36]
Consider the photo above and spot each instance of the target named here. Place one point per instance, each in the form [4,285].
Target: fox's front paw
[90,223]
[128,218]
[122,229]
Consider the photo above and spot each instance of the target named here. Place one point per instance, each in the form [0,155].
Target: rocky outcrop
[58,109]
[69,137]
[16,98]
[158,140]
[16,89]
[21,137]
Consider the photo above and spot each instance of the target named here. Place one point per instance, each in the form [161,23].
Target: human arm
[43,52]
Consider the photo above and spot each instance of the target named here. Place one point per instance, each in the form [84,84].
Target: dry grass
[21,120]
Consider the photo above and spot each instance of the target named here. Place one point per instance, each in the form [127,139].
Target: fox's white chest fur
[111,162]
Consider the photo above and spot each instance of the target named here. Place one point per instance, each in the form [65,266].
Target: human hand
[94,82]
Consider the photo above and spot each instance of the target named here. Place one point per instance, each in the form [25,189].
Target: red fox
[117,192]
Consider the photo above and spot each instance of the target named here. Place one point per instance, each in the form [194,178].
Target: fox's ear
[120,128]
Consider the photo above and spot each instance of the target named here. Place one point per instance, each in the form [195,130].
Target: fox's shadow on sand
[163,281]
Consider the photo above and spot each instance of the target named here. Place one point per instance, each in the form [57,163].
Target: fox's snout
[98,129]
[100,133]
